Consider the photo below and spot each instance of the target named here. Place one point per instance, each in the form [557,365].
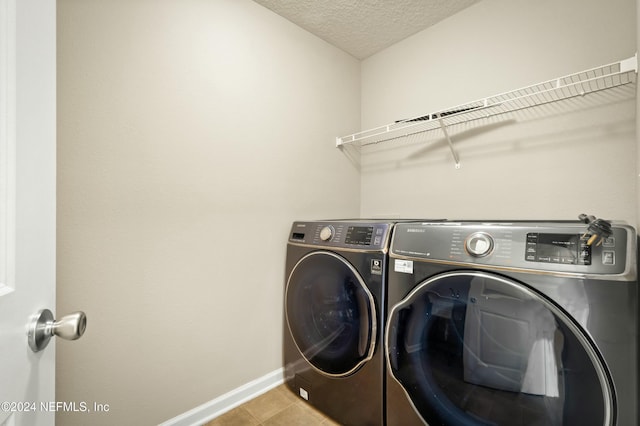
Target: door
[27,205]
[473,348]
[330,313]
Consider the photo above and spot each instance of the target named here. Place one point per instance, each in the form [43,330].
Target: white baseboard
[212,409]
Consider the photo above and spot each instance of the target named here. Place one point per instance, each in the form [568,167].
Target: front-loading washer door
[474,348]
[330,313]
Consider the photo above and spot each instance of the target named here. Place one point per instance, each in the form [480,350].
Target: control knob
[326,233]
[479,244]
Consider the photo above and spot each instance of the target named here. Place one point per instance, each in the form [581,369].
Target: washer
[334,317]
[511,324]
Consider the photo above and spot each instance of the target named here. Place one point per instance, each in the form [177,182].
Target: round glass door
[330,314]
[472,348]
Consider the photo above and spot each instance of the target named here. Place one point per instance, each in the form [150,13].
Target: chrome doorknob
[43,327]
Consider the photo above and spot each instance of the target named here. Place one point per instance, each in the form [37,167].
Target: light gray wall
[553,162]
[191,134]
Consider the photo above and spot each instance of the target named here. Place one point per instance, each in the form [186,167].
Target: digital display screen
[558,245]
[359,235]
[558,248]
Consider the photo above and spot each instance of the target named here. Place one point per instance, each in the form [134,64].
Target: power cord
[599,229]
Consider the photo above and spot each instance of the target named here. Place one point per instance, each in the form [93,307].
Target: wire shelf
[583,83]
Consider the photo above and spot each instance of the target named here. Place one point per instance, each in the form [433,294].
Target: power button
[608,257]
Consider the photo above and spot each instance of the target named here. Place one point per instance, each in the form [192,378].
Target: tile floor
[278,407]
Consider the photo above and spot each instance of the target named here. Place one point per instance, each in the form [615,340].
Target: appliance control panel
[543,246]
[356,234]
[568,249]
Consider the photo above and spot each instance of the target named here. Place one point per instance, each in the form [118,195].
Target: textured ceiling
[364,27]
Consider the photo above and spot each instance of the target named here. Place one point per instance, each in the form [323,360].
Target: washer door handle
[366,333]
[43,327]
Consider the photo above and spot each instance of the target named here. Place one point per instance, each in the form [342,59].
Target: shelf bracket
[454,153]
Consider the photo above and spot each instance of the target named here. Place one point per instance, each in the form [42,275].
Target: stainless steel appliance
[511,323]
[334,317]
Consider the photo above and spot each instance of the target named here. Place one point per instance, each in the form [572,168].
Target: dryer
[511,323]
[334,317]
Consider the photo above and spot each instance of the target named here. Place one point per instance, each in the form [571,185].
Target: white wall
[191,134]
[550,163]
